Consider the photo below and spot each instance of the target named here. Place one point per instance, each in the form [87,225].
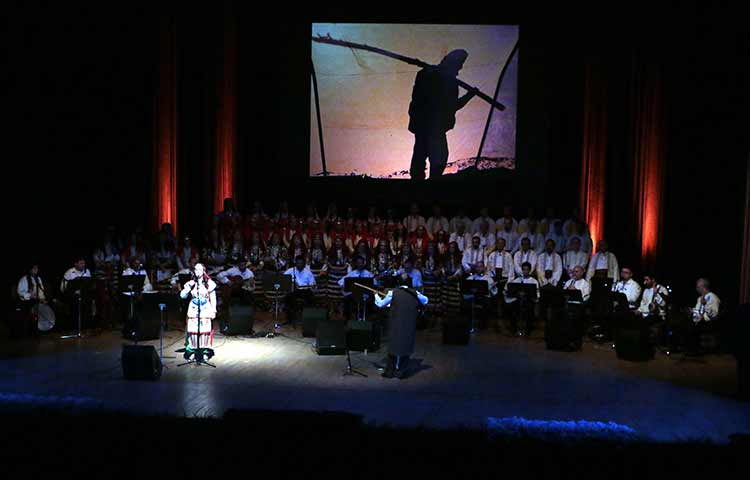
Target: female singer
[201,310]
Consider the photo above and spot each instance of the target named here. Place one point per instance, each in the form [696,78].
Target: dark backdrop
[81,98]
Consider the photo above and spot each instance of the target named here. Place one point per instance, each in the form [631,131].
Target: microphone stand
[195,360]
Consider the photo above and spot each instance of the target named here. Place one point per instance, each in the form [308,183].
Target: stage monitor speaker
[456,331]
[361,336]
[239,321]
[633,344]
[310,318]
[140,362]
[331,337]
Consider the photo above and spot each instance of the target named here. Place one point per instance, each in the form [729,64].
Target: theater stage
[665,399]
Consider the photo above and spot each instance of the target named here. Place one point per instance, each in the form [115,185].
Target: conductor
[405,304]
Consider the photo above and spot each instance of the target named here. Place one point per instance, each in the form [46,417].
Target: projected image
[412,101]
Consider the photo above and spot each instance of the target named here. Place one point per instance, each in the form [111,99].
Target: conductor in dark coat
[432,112]
[405,304]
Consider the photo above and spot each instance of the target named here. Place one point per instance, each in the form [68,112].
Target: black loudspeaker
[145,324]
[562,333]
[456,331]
[633,344]
[331,337]
[310,318]
[140,362]
[239,321]
[361,336]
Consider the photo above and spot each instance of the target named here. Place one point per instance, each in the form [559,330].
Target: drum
[45,317]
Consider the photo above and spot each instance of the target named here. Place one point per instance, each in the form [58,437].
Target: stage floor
[665,399]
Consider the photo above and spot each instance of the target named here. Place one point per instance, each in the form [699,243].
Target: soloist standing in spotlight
[405,304]
[201,310]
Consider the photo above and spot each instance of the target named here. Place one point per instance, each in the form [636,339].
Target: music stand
[80,287]
[523,292]
[619,301]
[473,288]
[132,284]
[164,300]
[280,284]
[360,294]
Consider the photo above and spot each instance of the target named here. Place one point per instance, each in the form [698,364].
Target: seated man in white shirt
[359,271]
[237,280]
[303,281]
[703,316]
[629,287]
[479,272]
[30,291]
[549,266]
[77,271]
[136,268]
[174,281]
[653,304]
[500,263]
[459,219]
[475,253]
[574,257]
[509,235]
[523,255]
[461,237]
[407,270]
[521,310]
[577,282]
[437,222]
[483,217]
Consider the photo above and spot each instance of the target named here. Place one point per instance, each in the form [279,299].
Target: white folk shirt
[549,261]
[305,278]
[364,273]
[520,257]
[709,311]
[486,241]
[435,224]
[497,260]
[546,225]
[573,259]
[146,283]
[587,245]
[25,290]
[602,261]
[631,289]
[472,256]
[491,284]
[660,301]
[463,241]
[582,285]
[453,224]
[412,222]
[476,224]
[536,239]
[500,224]
[521,279]
[511,240]
[223,277]
[560,241]
[72,274]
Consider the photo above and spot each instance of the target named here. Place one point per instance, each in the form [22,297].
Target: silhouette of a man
[432,112]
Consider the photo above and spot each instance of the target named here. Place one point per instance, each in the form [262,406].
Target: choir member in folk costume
[282,215]
[486,234]
[200,313]
[382,261]
[545,224]
[507,217]
[404,254]
[569,225]
[459,219]
[332,215]
[431,267]
[418,241]
[523,255]
[523,225]
[362,249]
[297,246]
[377,234]
[484,216]
[294,228]
[604,263]
[452,272]
[509,234]
[536,239]
[414,219]
[442,239]
[336,268]
[391,223]
[360,234]
[581,231]
[276,254]
[350,221]
[500,263]
[405,304]
[437,222]
[549,266]
[185,252]
[574,257]
[461,237]
[255,251]
[134,248]
[372,217]
[556,234]
[338,231]
[473,254]
[311,215]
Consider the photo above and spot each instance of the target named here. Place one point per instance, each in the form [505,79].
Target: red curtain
[165,129]
[226,121]
[594,165]
[745,272]
[648,133]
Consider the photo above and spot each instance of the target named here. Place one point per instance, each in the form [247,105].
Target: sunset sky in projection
[364,96]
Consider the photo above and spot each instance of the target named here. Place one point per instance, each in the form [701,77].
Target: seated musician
[174,281]
[509,235]
[461,236]
[604,263]
[549,266]
[480,272]
[473,254]
[517,314]
[30,291]
[525,254]
[236,278]
[577,282]
[407,270]
[136,268]
[629,287]
[653,304]
[703,316]
[303,281]
[437,222]
[459,219]
[359,271]
[574,257]
[78,270]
